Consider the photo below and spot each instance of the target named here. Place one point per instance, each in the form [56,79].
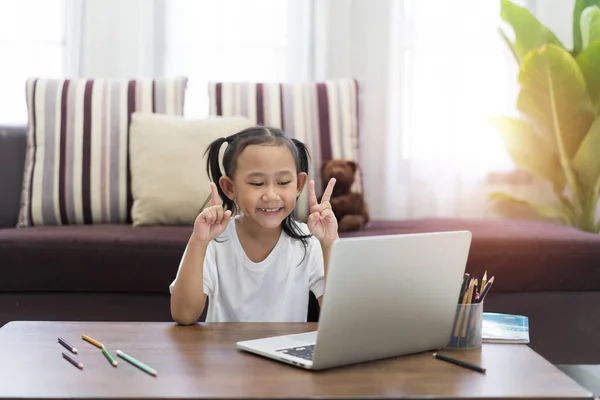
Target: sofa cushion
[322,115]
[524,256]
[169,182]
[13,142]
[77,165]
[97,258]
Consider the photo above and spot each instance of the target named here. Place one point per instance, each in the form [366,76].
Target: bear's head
[343,171]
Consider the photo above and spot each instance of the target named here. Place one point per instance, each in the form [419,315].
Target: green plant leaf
[529,151]
[580,5]
[553,94]
[568,207]
[588,215]
[510,45]
[587,166]
[587,162]
[529,32]
[588,61]
[598,227]
[545,210]
[590,25]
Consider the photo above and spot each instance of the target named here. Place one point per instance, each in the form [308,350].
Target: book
[505,328]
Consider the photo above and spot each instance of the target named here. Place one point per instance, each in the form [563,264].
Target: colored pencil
[475,291]
[460,363]
[463,287]
[465,321]
[72,360]
[483,282]
[137,363]
[486,289]
[109,357]
[461,313]
[92,341]
[67,345]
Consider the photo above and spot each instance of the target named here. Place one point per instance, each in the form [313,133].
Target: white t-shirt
[273,290]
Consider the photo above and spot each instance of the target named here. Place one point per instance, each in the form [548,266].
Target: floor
[587,375]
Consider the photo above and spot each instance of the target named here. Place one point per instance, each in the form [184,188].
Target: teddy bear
[349,208]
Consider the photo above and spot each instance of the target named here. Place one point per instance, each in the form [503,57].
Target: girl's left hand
[321,221]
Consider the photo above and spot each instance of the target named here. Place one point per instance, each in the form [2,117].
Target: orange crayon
[92,341]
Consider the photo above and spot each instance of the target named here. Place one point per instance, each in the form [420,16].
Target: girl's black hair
[236,143]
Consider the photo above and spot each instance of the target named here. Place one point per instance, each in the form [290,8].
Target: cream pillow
[169,182]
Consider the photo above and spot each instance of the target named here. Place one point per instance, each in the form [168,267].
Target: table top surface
[202,361]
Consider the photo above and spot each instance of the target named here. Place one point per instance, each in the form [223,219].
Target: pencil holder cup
[467,327]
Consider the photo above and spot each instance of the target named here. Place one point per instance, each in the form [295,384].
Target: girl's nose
[270,194]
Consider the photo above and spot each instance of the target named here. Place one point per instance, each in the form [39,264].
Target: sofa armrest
[13,145]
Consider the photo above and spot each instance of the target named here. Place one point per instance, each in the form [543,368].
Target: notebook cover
[505,328]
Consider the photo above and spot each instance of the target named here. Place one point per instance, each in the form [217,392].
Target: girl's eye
[284,183]
[256,184]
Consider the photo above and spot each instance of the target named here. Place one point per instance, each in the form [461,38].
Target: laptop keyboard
[305,352]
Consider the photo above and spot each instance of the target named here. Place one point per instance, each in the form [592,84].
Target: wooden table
[202,362]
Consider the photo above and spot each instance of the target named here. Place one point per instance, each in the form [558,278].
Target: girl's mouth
[270,211]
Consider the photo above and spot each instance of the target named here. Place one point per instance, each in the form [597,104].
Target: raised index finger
[215,200]
[328,191]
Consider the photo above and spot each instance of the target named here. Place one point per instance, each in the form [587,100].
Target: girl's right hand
[213,220]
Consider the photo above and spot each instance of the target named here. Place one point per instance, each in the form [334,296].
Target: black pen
[459,362]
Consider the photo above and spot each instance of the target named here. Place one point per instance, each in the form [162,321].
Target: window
[32,43]
[457,72]
[224,40]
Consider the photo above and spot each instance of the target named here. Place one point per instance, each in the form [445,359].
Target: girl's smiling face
[265,184]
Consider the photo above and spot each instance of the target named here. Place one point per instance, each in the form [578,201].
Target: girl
[262,263]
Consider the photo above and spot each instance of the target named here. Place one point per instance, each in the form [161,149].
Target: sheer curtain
[114,38]
[205,40]
[453,71]
[429,74]
[31,44]
[228,40]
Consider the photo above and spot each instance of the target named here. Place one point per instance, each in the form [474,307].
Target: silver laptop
[385,296]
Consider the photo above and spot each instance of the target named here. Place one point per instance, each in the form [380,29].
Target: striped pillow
[77,165]
[322,115]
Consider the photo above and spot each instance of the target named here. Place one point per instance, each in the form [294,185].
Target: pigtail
[289,225]
[303,156]
[213,169]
